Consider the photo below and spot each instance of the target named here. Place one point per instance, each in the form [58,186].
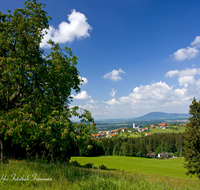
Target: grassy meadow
[164,167]
[61,176]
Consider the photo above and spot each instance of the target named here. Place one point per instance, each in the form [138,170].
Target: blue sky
[136,56]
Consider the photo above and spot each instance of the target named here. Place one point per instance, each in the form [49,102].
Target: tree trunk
[1,145]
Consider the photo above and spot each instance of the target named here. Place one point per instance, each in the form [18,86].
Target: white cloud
[189,72]
[145,95]
[198,82]
[189,52]
[91,101]
[185,53]
[180,92]
[89,106]
[172,73]
[186,80]
[81,96]
[113,92]
[112,102]
[114,75]
[183,73]
[196,41]
[67,32]
[85,81]
[155,91]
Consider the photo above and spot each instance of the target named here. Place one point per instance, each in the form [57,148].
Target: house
[163,124]
[112,135]
[102,135]
[96,135]
[151,155]
[153,126]
[168,124]
[108,132]
[146,129]
[147,134]
[182,124]
[163,127]
[140,130]
[116,131]
[124,129]
[163,155]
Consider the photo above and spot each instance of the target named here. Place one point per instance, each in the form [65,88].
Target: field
[165,167]
[26,175]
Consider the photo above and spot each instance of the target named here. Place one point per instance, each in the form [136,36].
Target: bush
[102,167]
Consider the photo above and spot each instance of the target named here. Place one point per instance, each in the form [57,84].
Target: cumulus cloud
[172,73]
[183,73]
[77,27]
[186,80]
[89,106]
[196,41]
[113,92]
[185,53]
[114,75]
[189,52]
[81,96]
[91,101]
[155,91]
[112,102]
[189,72]
[191,87]
[85,81]
[180,92]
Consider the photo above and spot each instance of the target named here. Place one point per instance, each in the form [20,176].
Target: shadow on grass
[90,165]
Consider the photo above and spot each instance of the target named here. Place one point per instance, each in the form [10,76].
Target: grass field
[165,167]
[62,176]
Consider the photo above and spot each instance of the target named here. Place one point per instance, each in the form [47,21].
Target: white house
[163,155]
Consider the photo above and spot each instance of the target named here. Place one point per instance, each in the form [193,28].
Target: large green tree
[192,140]
[35,86]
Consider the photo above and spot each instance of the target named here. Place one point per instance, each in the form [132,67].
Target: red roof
[163,124]
[96,135]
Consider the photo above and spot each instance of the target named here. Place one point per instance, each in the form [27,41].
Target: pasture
[163,167]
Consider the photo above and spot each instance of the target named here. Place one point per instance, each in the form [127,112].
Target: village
[136,129]
[139,129]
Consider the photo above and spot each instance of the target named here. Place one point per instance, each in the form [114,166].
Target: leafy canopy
[34,86]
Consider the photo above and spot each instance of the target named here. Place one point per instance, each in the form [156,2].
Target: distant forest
[157,143]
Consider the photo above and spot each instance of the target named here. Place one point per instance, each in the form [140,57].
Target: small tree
[192,141]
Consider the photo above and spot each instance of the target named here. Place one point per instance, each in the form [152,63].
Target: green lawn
[166,167]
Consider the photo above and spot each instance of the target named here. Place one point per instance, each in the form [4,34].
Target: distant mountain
[161,116]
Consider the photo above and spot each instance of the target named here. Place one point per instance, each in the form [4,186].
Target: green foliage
[34,86]
[192,140]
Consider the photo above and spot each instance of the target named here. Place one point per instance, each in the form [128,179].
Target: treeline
[139,147]
[159,142]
